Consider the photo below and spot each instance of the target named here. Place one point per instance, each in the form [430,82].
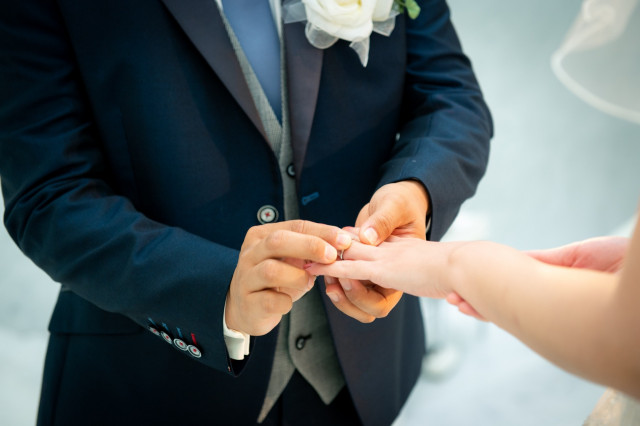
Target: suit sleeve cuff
[237,342]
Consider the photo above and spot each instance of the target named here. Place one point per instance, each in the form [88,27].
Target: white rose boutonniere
[352,20]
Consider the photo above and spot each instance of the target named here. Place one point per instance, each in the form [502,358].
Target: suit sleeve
[444,139]
[61,210]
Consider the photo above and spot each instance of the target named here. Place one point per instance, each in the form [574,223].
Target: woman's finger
[351,269]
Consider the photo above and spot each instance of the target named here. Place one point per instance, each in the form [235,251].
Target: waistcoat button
[300,342]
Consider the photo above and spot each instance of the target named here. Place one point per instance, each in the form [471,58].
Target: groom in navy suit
[151,166]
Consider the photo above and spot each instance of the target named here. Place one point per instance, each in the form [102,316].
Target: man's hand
[604,254]
[269,276]
[398,209]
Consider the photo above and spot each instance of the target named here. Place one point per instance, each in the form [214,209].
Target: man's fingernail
[371,235]
[330,253]
[346,285]
[333,297]
[343,239]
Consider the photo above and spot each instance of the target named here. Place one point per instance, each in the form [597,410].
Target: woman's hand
[410,265]
[605,254]
[599,254]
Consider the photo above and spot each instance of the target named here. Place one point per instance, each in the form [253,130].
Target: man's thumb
[379,226]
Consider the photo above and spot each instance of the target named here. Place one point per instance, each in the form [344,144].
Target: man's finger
[363,215]
[384,219]
[272,273]
[269,306]
[371,299]
[337,296]
[331,234]
[285,243]
[294,294]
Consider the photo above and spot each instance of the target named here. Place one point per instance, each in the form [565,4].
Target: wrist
[419,192]
[454,276]
[237,342]
[228,321]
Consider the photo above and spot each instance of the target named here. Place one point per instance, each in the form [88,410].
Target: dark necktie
[255,29]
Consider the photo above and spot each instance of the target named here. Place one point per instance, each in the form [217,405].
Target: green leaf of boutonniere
[411,6]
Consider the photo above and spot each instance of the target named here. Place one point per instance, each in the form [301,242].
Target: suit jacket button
[291,171]
[180,344]
[194,351]
[166,337]
[267,214]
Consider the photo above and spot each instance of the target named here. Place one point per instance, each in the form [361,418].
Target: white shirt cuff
[237,342]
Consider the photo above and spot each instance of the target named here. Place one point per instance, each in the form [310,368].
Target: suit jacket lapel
[202,22]
[304,66]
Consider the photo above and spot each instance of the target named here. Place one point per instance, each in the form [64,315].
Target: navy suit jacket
[133,162]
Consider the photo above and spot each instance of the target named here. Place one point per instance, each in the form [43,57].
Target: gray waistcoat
[304,340]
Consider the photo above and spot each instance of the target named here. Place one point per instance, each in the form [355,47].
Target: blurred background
[559,171]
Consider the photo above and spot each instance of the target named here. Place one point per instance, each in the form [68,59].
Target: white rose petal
[346,19]
[382,10]
[350,20]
